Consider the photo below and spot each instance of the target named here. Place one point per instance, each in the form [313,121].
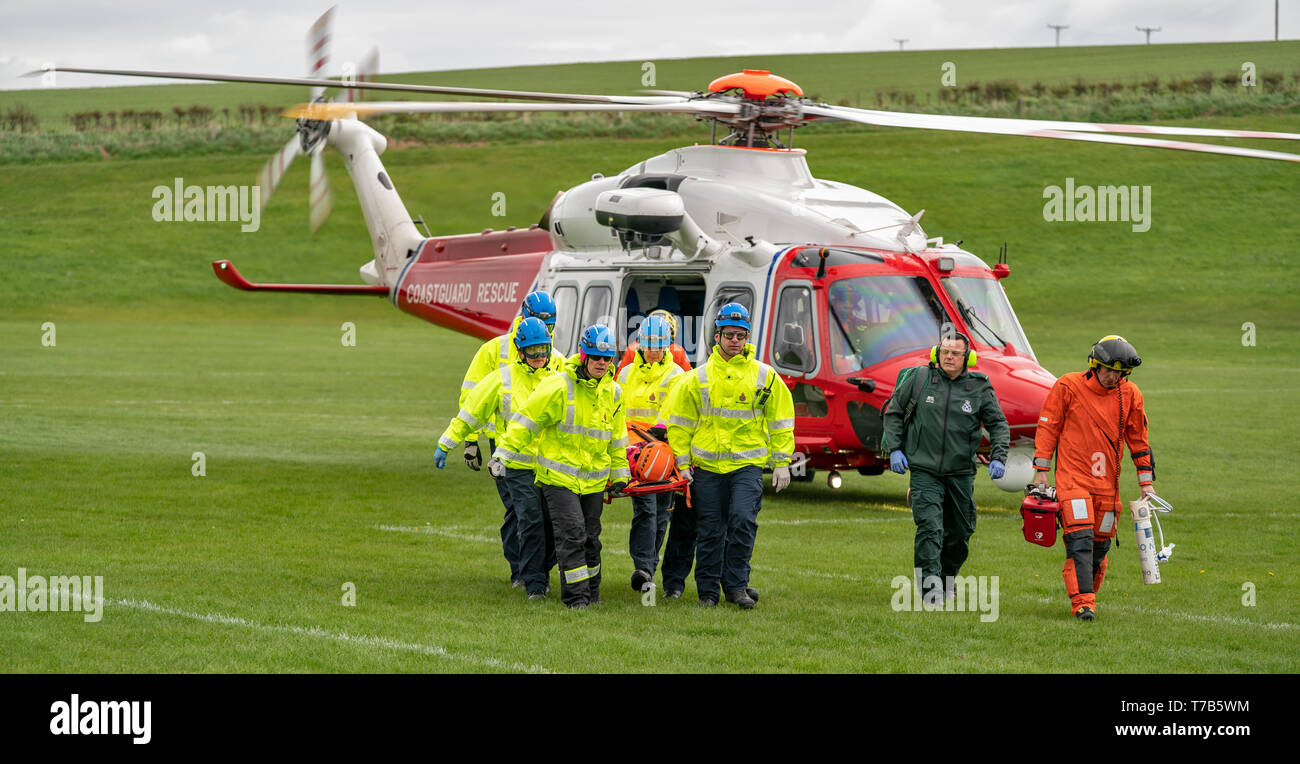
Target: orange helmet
[654,463]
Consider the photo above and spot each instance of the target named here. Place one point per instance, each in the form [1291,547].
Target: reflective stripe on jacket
[725,415]
[576,428]
[496,353]
[499,353]
[492,403]
[645,388]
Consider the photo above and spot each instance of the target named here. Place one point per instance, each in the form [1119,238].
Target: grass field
[318,456]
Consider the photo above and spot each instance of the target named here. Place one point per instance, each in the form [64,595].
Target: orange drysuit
[677,351]
[1086,426]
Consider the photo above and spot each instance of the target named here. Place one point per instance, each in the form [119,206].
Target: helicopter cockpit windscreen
[874,318]
[986,311]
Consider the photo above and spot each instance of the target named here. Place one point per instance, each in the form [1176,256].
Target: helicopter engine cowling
[647,211]
[644,214]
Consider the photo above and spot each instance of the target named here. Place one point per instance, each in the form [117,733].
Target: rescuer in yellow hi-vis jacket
[494,401]
[645,384]
[575,424]
[497,353]
[726,420]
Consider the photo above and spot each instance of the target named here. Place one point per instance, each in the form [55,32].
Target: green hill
[853,77]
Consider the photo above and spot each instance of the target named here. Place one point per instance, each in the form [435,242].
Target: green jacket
[945,429]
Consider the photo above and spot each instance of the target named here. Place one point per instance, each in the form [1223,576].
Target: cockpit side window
[874,318]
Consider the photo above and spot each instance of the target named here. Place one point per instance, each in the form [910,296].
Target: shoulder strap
[910,409]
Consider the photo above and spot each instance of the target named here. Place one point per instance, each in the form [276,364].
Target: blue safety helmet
[654,334]
[539,304]
[733,314]
[532,332]
[597,340]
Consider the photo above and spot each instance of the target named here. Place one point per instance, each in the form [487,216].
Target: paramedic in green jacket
[937,442]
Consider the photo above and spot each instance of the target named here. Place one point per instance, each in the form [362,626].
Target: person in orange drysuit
[677,352]
[1086,420]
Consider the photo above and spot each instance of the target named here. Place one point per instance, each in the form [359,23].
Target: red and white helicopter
[844,286]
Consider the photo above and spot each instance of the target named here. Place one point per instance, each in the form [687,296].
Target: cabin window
[566,310]
[596,302]
[794,346]
[727,293]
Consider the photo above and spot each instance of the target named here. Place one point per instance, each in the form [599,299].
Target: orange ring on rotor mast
[757,84]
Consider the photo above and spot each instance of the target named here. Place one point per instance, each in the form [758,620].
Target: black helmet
[1114,352]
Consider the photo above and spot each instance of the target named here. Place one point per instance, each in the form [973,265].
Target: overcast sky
[267,36]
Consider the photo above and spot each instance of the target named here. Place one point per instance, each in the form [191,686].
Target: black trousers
[679,554]
[575,521]
[536,545]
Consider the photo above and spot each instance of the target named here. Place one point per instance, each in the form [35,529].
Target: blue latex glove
[440,458]
[997,469]
[898,462]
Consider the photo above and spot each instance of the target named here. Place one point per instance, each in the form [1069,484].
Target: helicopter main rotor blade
[1036,129]
[673,93]
[1008,126]
[392,86]
[329,111]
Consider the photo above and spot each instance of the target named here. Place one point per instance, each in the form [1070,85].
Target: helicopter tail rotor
[321,198]
[312,134]
[363,74]
[274,169]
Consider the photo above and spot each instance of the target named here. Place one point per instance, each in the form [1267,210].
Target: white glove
[781,478]
[497,468]
[685,472]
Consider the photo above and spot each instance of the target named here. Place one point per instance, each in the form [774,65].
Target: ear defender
[971,357]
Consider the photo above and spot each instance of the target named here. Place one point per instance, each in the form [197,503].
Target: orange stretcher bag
[653,469]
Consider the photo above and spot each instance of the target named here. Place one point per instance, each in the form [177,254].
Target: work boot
[1085,614]
[640,578]
[741,598]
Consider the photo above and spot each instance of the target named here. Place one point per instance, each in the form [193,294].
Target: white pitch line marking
[1174,614]
[450,532]
[364,640]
